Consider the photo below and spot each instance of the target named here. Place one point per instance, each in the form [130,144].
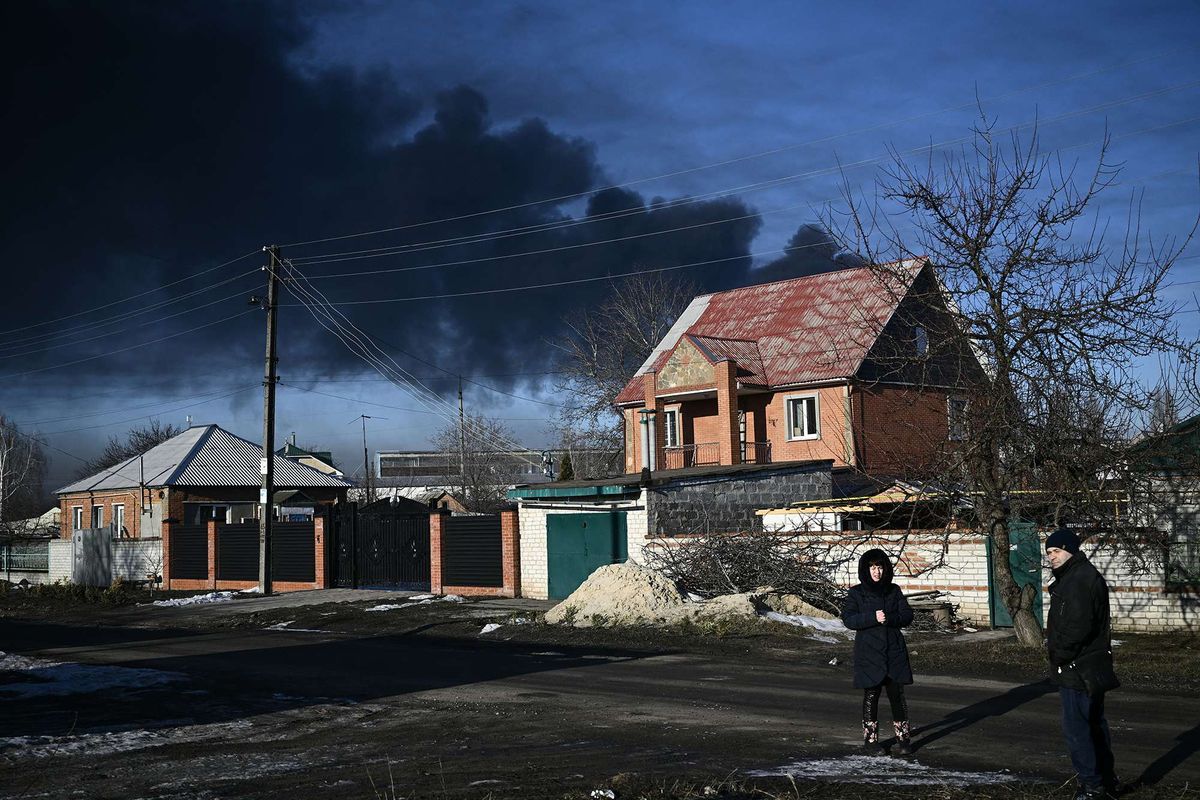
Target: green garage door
[576,544]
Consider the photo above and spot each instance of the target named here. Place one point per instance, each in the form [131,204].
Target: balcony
[708,454]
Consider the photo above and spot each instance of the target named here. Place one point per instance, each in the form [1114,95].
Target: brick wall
[899,430]
[62,565]
[1138,601]
[831,407]
[106,500]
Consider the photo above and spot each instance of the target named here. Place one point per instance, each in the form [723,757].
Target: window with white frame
[671,427]
[803,417]
[956,418]
[76,518]
[97,516]
[118,517]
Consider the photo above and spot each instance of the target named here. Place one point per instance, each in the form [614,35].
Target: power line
[126,349]
[739,159]
[394,408]
[60,318]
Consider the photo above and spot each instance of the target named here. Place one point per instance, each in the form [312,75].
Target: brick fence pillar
[510,551]
[212,553]
[436,518]
[166,555]
[319,574]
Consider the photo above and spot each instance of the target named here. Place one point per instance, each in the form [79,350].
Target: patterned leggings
[870,709]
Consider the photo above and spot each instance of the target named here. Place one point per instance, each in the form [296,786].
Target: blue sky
[203,131]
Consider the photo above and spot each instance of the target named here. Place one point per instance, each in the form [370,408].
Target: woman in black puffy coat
[876,610]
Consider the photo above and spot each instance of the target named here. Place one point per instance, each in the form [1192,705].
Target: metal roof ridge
[191,455]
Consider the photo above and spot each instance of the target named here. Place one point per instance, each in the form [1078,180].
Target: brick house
[202,474]
[855,366]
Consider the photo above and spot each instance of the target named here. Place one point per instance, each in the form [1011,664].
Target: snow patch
[46,678]
[881,770]
[823,627]
[491,626]
[200,599]
[419,600]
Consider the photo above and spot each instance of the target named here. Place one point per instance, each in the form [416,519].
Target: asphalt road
[281,713]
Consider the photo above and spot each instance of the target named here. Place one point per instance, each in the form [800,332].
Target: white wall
[535,579]
[1138,600]
[62,561]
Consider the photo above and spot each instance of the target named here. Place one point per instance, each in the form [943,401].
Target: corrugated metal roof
[806,330]
[206,455]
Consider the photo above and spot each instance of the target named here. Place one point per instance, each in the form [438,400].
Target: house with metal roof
[202,474]
[860,366]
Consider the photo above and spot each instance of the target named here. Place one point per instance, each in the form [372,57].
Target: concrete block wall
[728,503]
[137,559]
[62,561]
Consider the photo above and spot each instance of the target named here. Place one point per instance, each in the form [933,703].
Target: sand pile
[619,594]
[630,594]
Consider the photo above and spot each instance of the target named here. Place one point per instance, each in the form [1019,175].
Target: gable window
[671,427]
[921,339]
[803,417]
[956,418]
[76,518]
[97,516]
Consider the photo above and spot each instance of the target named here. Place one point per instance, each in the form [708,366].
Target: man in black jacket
[1079,646]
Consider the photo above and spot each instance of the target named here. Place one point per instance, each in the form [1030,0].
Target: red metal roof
[804,330]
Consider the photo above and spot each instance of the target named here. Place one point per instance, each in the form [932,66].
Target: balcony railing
[708,454]
[756,452]
[691,455]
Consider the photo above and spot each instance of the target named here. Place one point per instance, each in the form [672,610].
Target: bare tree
[135,442]
[1059,318]
[22,470]
[601,350]
[480,462]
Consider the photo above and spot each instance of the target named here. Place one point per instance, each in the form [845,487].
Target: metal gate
[1025,558]
[380,549]
[92,551]
[472,551]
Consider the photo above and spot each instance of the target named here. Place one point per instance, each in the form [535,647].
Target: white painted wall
[535,579]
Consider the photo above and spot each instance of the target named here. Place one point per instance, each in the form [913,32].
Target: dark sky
[145,144]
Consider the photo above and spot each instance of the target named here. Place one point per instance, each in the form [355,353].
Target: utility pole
[268,459]
[462,442]
[369,496]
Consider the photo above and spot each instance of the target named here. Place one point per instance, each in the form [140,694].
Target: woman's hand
[880,617]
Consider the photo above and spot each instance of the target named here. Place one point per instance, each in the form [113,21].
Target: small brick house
[204,473]
[855,366]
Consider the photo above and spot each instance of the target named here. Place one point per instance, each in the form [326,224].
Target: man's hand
[880,617]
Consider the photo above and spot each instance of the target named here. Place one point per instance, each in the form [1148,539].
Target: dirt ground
[329,700]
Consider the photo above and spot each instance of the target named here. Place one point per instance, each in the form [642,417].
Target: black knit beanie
[1063,539]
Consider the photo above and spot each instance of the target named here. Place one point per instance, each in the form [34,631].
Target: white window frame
[76,518]
[956,424]
[118,516]
[671,427]
[796,399]
[97,516]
